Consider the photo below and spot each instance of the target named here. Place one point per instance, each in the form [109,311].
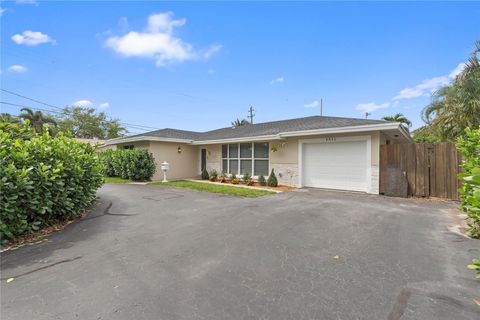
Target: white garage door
[335,165]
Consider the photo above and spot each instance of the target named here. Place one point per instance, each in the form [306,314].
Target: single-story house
[317,151]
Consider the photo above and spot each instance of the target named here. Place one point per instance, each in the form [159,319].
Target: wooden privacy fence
[431,168]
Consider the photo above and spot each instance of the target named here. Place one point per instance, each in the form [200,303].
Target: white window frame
[239,158]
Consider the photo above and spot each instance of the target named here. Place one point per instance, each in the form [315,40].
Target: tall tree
[398,118]
[457,106]
[239,123]
[36,118]
[7,117]
[85,122]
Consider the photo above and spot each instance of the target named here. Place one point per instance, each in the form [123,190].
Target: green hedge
[469,147]
[133,164]
[43,179]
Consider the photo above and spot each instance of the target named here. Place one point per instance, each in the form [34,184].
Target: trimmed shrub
[469,147]
[205,175]
[213,175]
[272,180]
[44,180]
[246,177]
[250,182]
[262,181]
[133,164]
[235,180]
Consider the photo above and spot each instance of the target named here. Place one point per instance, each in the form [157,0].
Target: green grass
[207,187]
[116,180]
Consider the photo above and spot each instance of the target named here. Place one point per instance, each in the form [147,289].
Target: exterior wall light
[179,149]
[165,166]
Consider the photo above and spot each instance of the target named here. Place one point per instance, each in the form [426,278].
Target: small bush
[235,180]
[246,177]
[133,164]
[262,181]
[205,175]
[222,179]
[250,182]
[213,175]
[233,176]
[475,266]
[272,180]
[469,147]
[44,180]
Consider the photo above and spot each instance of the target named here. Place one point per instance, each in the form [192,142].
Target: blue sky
[198,66]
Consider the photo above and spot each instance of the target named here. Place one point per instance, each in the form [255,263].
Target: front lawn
[116,180]
[207,187]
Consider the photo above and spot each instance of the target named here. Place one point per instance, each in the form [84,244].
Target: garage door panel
[335,165]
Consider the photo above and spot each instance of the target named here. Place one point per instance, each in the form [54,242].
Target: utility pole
[251,114]
[321,106]
[367,114]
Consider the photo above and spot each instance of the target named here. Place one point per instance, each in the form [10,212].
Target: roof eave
[241,139]
[146,138]
[348,129]
[280,136]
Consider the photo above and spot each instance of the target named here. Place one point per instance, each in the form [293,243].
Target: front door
[203,161]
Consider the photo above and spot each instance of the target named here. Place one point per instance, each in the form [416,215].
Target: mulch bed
[256,184]
[32,238]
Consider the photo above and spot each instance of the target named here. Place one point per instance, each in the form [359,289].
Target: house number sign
[330,139]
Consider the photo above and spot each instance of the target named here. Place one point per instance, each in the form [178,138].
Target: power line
[63,109]
[31,99]
[63,114]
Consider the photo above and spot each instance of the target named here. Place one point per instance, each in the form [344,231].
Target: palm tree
[37,119]
[457,106]
[398,118]
[239,123]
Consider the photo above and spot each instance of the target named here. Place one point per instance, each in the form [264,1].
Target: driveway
[149,252]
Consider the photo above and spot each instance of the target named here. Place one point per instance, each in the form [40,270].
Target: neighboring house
[322,152]
[93,142]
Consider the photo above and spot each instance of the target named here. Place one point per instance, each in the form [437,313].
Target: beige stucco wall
[182,165]
[285,160]
[214,157]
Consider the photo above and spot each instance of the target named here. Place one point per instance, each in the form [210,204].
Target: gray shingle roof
[263,129]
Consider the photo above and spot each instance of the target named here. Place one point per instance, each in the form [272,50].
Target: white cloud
[424,88]
[372,106]
[31,38]
[312,104]
[104,106]
[17,68]
[455,72]
[2,11]
[429,86]
[211,71]
[35,2]
[83,103]
[277,80]
[157,42]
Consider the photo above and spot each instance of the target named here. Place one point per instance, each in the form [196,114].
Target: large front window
[241,158]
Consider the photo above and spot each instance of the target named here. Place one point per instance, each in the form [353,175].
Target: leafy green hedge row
[43,179]
[469,147]
[133,164]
